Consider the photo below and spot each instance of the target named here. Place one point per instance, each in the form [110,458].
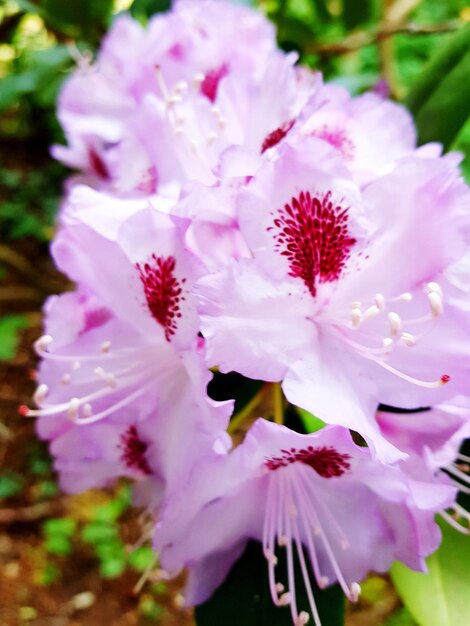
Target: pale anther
[435,300]
[406,297]
[105,346]
[356,317]
[65,380]
[379,301]
[371,312]
[284,600]
[395,324]
[40,394]
[72,410]
[302,619]
[355,592]
[408,339]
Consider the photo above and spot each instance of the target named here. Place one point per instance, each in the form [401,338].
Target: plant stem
[238,419]
[278,401]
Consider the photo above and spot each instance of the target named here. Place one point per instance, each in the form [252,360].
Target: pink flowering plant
[270,329]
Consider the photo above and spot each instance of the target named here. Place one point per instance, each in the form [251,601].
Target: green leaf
[311,422]
[438,68]
[63,526]
[244,597]
[356,12]
[10,327]
[11,484]
[112,568]
[77,18]
[141,558]
[440,598]
[143,9]
[447,109]
[402,617]
[97,532]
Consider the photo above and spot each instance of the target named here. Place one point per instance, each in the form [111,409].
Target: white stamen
[181,86]
[379,301]
[279,587]
[76,365]
[434,288]
[371,312]
[174,99]
[72,410]
[43,342]
[435,300]
[303,619]
[87,410]
[285,599]
[408,339]
[395,324]
[65,380]
[356,317]
[105,346]
[406,297]
[355,592]
[198,79]
[40,394]
[387,342]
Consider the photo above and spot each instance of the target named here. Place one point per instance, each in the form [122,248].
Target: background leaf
[441,598]
[244,598]
[447,109]
[438,68]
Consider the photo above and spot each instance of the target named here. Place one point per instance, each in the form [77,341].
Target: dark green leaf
[447,109]
[145,8]
[11,484]
[77,18]
[356,12]
[440,598]
[10,327]
[321,10]
[443,62]
[244,597]
[97,532]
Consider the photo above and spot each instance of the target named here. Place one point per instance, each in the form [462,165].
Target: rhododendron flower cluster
[233,213]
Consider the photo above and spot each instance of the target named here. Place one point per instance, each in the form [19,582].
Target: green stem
[247,410]
[278,402]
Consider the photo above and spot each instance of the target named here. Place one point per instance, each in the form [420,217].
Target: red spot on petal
[276,136]
[210,84]
[94,318]
[445,378]
[163,292]
[326,461]
[133,451]
[97,165]
[337,138]
[312,233]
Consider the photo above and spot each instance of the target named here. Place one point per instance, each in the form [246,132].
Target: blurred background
[68,560]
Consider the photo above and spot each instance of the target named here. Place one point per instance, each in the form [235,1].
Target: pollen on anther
[23,410]
[445,379]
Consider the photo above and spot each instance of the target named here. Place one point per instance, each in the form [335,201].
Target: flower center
[312,233]
[326,461]
[276,136]
[134,450]
[163,292]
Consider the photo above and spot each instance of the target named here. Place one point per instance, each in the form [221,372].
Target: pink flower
[344,297]
[318,495]
[433,437]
